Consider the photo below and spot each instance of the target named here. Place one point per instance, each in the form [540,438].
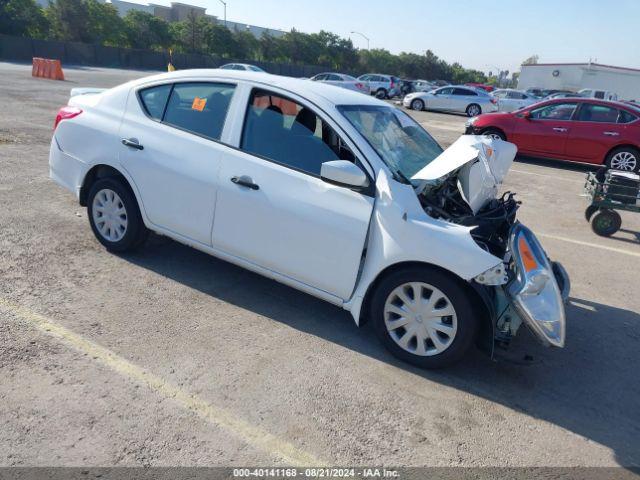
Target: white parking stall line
[588,244]
[555,177]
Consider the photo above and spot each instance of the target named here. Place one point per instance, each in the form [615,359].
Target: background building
[576,76]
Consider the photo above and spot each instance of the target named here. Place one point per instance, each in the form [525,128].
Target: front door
[546,130]
[273,209]
[169,146]
[441,100]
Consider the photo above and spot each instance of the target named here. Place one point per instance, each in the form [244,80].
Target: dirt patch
[8,137]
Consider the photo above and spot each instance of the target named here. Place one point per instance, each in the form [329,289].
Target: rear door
[462,98]
[547,129]
[597,129]
[174,152]
[282,216]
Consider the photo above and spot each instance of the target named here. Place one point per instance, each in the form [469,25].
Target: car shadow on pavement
[590,387]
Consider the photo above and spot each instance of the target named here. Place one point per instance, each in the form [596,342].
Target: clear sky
[481,34]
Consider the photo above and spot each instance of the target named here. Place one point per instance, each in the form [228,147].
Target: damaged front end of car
[526,287]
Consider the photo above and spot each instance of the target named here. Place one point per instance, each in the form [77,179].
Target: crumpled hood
[483,164]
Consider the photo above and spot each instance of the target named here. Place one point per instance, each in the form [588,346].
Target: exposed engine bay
[466,193]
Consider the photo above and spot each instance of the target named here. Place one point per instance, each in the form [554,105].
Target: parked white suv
[382,86]
[336,194]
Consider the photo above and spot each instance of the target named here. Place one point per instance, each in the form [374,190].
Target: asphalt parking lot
[171,357]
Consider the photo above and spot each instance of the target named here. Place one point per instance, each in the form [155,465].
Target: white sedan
[343,81]
[510,100]
[452,98]
[331,192]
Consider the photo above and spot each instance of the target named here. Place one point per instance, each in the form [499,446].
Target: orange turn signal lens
[528,259]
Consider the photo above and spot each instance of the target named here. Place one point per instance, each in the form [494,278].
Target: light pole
[225,11]
[363,36]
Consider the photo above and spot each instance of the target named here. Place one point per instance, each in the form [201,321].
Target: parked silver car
[241,66]
[510,100]
[382,86]
[454,98]
[343,81]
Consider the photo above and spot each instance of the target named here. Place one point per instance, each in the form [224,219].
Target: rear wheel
[473,110]
[417,104]
[626,159]
[114,215]
[424,317]
[381,94]
[606,223]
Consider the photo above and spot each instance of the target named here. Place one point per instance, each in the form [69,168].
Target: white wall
[626,83]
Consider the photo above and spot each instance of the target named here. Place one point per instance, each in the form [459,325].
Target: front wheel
[114,215]
[473,110]
[606,223]
[424,317]
[494,134]
[417,104]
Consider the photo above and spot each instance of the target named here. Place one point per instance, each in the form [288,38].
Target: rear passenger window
[154,100]
[200,108]
[590,112]
[290,134]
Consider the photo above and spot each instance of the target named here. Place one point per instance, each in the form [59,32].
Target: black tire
[612,162]
[467,322]
[494,132]
[417,104]
[381,93]
[135,233]
[470,110]
[606,222]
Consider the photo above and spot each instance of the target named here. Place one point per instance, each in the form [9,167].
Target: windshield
[404,146]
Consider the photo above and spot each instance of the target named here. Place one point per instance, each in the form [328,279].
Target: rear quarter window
[626,117]
[154,100]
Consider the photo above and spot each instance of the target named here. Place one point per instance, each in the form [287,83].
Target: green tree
[106,27]
[144,30]
[68,19]
[270,48]
[191,35]
[246,45]
[23,18]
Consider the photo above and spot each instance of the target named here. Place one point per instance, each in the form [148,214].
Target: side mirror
[526,115]
[344,174]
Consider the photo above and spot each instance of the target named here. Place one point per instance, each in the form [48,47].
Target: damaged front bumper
[539,288]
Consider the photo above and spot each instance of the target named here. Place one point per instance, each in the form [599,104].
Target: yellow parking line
[249,433]
[587,244]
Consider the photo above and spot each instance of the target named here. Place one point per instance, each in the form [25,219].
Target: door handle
[133,143]
[612,134]
[245,181]
[559,129]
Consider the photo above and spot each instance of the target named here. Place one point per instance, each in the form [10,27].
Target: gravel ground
[171,357]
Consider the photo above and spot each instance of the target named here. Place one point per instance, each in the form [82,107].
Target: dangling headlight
[535,291]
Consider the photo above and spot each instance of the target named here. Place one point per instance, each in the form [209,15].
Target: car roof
[314,91]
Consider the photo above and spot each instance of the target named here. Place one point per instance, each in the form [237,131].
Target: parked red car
[576,129]
[487,88]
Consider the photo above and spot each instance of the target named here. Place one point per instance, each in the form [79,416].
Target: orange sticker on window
[198,104]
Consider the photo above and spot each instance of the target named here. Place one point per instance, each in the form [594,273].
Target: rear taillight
[359,86]
[494,101]
[65,113]
[392,83]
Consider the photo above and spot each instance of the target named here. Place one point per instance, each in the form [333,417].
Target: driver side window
[556,111]
[286,132]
